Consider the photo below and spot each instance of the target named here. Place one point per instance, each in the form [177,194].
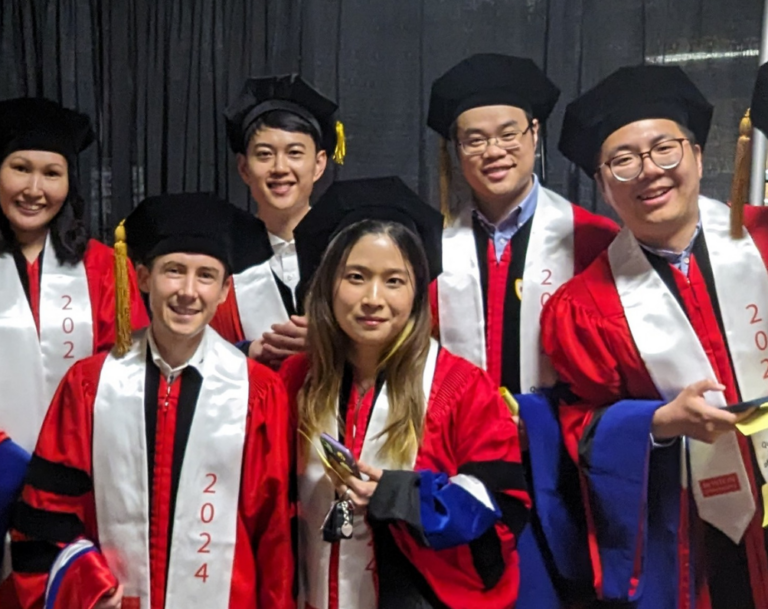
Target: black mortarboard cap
[490,79]
[630,94]
[759,108]
[350,201]
[36,123]
[287,92]
[196,223]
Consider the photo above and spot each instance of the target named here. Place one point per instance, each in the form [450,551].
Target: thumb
[701,387]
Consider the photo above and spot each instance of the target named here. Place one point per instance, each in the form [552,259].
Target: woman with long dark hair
[428,507]
[57,302]
[57,283]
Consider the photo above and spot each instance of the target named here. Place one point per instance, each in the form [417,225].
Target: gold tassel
[341,144]
[445,181]
[122,293]
[741,172]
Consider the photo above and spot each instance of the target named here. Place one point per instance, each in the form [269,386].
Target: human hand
[690,415]
[353,488]
[284,340]
[112,600]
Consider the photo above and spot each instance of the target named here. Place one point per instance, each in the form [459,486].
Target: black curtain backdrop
[157,74]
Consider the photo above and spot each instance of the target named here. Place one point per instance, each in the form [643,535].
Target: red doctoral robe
[99,262]
[57,505]
[502,309]
[227,320]
[648,545]
[501,303]
[467,430]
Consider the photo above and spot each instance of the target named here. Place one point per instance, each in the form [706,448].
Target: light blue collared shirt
[503,232]
[680,260]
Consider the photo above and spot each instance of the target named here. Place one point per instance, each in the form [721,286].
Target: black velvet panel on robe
[510,342]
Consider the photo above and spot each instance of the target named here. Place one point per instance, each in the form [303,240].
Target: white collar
[169,373]
[279,243]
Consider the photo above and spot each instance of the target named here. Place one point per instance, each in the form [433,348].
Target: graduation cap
[290,93]
[490,79]
[36,123]
[193,223]
[485,79]
[630,94]
[350,201]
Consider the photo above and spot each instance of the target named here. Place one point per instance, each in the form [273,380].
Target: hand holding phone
[744,406]
[339,454]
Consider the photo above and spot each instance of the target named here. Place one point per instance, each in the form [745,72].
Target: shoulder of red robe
[79,577]
[102,250]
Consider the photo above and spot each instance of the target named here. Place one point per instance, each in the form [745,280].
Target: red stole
[498,273]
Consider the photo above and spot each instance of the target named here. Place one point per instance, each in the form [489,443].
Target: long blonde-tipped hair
[402,362]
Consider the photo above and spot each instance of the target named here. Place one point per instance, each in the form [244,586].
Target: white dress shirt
[285,263]
[169,373]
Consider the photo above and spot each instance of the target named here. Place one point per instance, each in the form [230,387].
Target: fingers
[117,598]
[743,416]
[255,348]
[718,417]
[373,473]
[356,486]
[701,387]
[284,342]
[337,475]
[290,329]
[299,321]
[112,600]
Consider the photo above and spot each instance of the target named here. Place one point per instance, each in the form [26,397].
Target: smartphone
[339,454]
[742,406]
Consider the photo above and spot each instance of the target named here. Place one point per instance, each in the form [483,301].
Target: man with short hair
[504,254]
[516,241]
[160,478]
[282,131]
[653,341]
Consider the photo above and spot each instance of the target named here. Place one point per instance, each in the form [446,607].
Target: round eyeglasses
[477,145]
[628,165]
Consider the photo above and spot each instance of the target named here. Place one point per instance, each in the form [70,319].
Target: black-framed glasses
[508,140]
[666,155]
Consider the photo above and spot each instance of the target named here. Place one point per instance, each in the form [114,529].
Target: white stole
[549,263]
[674,357]
[31,367]
[205,523]
[356,585]
[258,301]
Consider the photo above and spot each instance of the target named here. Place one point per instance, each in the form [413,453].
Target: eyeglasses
[476,145]
[628,165]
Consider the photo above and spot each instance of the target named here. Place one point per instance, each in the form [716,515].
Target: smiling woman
[433,520]
[58,301]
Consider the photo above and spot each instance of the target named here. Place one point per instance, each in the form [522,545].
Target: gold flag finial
[741,173]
